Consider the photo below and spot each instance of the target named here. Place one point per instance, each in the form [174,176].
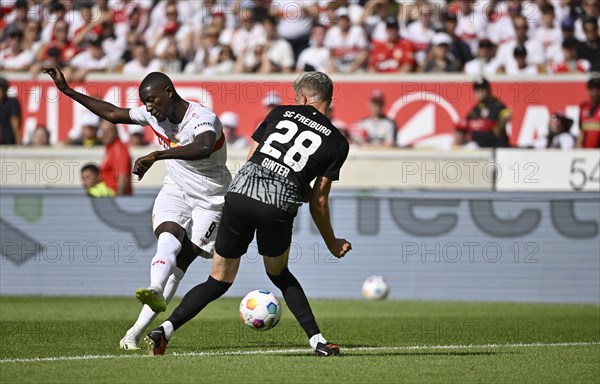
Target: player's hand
[143,164]
[339,247]
[58,77]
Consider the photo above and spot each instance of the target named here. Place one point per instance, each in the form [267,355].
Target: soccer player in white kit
[187,210]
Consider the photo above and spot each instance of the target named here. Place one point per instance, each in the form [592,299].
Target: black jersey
[481,120]
[297,143]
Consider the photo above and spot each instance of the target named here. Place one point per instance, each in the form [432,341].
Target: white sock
[164,262]
[168,327]
[316,339]
[147,315]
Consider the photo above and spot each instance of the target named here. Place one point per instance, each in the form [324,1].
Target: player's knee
[172,228]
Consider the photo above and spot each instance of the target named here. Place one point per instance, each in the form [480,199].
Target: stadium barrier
[485,246]
[480,170]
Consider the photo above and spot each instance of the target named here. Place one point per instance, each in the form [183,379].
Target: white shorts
[200,224]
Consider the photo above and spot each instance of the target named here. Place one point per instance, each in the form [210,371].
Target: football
[375,288]
[260,310]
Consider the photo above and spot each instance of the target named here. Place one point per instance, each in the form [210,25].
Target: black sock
[296,301]
[196,299]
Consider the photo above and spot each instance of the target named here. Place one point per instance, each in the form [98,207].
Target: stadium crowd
[481,37]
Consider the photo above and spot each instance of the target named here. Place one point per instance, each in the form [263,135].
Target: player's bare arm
[105,110]
[199,149]
[319,209]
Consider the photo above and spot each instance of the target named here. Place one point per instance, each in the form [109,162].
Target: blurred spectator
[485,125]
[377,129]
[133,39]
[458,48]
[535,50]
[61,42]
[485,63]
[420,32]
[519,66]
[134,19]
[316,56]
[278,55]
[116,166]
[471,25]
[10,116]
[230,121]
[374,19]
[224,64]
[183,10]
[394,55]
[93,184]
[31,38]
[589,49]
[21,10]
[92,24]
[174,33]
[499,26]
[440,58]
[14,57]
[244,37]
[340,124]
[207,53]
[114,46]
[143,62]
[87,134]
[554,51]
[295,20]
[548,33]
[589,117]
[347,43]
[591,11]
[570,62]
[92,59]
[137,136]
[56,12]
[40,137]
[559,135]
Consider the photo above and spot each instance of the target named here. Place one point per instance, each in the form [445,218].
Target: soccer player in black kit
[293,146]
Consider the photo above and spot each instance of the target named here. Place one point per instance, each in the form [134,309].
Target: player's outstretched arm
[106,111]
[319,209]
[200,148]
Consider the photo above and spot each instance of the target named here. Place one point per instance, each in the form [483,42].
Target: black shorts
[242,216]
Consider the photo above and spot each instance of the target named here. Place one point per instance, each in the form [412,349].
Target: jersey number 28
[296,156]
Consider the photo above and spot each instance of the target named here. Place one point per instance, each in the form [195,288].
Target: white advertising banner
[547,170]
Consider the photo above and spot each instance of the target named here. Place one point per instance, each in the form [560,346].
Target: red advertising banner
[425,112]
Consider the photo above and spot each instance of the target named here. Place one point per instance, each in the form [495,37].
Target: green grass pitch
[75,340]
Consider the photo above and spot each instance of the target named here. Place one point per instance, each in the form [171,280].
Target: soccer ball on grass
[375,288]
[260,310]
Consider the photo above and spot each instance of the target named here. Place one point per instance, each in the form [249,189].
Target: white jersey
[205,180]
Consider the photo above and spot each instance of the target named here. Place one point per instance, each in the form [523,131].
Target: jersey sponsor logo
[159,262]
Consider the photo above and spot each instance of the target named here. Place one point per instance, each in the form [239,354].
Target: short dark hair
[91,167]
[156,79]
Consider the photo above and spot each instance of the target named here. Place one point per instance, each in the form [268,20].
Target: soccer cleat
[156,342]
[328,349]
[152,298]
[128,343]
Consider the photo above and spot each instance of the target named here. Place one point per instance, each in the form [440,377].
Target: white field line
[347,350]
